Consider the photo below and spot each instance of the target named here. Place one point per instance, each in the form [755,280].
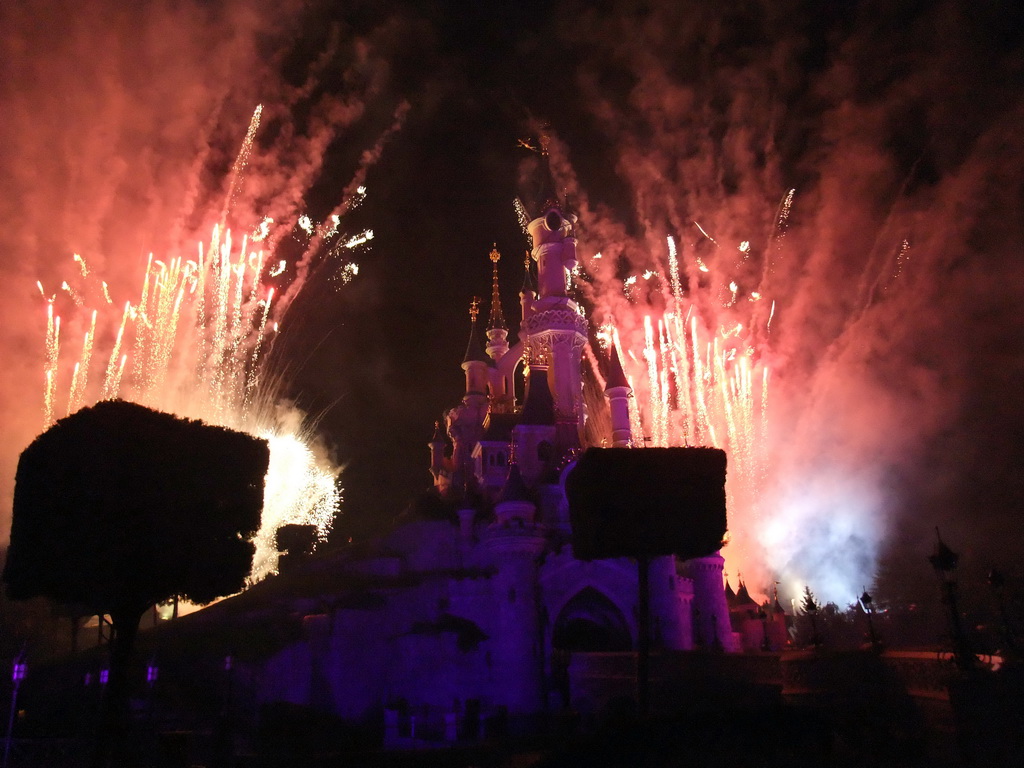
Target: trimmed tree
[643,504]
[119,507]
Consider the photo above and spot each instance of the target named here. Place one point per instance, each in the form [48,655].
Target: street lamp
[867,603]
[944,561]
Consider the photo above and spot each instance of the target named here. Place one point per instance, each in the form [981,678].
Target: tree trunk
[110,740]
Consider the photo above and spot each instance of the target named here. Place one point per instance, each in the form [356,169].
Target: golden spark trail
[81,377]
[166,338]
[701,383]
[73,394]
[241,160]
[192,341]
[112,378]
[52,356]
[654,388]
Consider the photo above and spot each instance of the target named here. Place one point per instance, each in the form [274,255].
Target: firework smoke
[123,140]
[855,291]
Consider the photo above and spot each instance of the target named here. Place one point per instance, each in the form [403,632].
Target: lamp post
[18,672]
[867,603]
[944,561]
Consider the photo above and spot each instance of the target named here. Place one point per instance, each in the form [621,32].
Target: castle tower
[501,376]
[555,329]
[617,390]
[515,543]
[711,611]
[497,331]
[465,422]
[534,436]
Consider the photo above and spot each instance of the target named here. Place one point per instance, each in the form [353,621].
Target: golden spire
[474,351]
[497,319]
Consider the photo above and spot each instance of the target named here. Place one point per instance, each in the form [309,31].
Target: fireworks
[192,342]
[703,385]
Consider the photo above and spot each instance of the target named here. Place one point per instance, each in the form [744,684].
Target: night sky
[897,370]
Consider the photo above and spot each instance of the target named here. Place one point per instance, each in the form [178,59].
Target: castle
[476,602]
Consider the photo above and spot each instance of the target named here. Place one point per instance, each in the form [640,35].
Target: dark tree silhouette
[809,605]
[642,504]
[119,507]
[294,542]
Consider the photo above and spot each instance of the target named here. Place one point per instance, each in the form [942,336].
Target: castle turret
[617,390]
[534,437]
[501,386]
[556,331]
[475,362]
[497,331]
[514,503]
[465,422]
[515,543]
[712,627]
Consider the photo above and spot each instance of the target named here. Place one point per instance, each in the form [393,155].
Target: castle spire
[474,350]
[527,281]
[526,293]
[617,390]
[616,376]
[548,194]
[497,319]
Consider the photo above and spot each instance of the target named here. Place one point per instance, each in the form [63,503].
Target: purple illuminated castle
[476,602]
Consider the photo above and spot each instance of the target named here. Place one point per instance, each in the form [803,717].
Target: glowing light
[262,230]
[193,342]
[356,240]
[347,273]
[521,216]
